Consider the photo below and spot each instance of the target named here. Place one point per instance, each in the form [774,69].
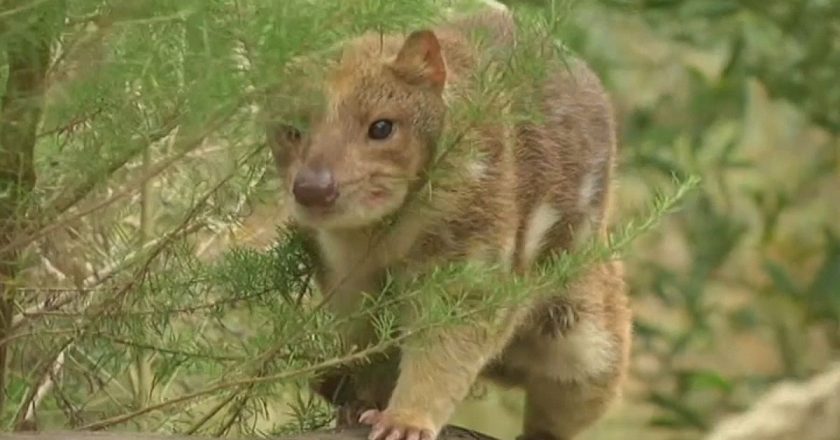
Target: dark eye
[380,129]
[292,133]
[283,134]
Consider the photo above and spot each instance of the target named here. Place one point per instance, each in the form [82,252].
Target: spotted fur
[514,194]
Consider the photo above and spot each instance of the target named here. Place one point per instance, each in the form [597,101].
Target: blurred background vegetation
[741,288]
[150,166]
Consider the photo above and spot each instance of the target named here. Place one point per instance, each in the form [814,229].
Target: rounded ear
[420,60]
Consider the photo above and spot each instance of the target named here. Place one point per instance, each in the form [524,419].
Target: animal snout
[315,187]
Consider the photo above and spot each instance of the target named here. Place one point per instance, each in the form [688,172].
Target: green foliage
[150,164]
[736,291]
[148,154]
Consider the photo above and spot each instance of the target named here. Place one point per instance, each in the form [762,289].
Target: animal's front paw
[388,425]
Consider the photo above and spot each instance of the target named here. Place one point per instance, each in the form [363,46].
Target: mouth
[357,205]
[311,213]
[372,198]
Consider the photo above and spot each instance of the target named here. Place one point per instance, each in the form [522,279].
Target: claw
[376,432]
[396,434]
[369,417]
[385,426]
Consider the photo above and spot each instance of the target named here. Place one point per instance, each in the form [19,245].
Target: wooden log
[449,433]
[808,410]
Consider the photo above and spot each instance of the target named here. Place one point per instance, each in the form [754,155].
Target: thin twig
[27,412]
[165,350]
[91,282]
[41,229]
[378,348]
[156,245]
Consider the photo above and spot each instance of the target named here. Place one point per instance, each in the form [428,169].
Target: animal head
[372,133]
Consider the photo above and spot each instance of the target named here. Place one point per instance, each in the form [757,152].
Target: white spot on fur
[588,190]
[542,219]
[590,187]
[508,248]
[587,350]
[477,169]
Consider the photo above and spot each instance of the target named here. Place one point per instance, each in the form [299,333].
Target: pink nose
[315,187]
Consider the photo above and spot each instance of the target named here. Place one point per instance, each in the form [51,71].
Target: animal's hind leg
[577,354]
[561,410]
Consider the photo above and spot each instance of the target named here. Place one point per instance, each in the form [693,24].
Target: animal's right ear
[420,60]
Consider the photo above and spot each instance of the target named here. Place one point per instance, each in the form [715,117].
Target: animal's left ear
[420,60]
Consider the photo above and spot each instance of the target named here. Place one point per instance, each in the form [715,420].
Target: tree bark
[28,37]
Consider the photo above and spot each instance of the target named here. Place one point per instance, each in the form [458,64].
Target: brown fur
[513,194]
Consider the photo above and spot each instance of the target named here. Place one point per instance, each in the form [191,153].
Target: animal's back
[571,352]
[564,160]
